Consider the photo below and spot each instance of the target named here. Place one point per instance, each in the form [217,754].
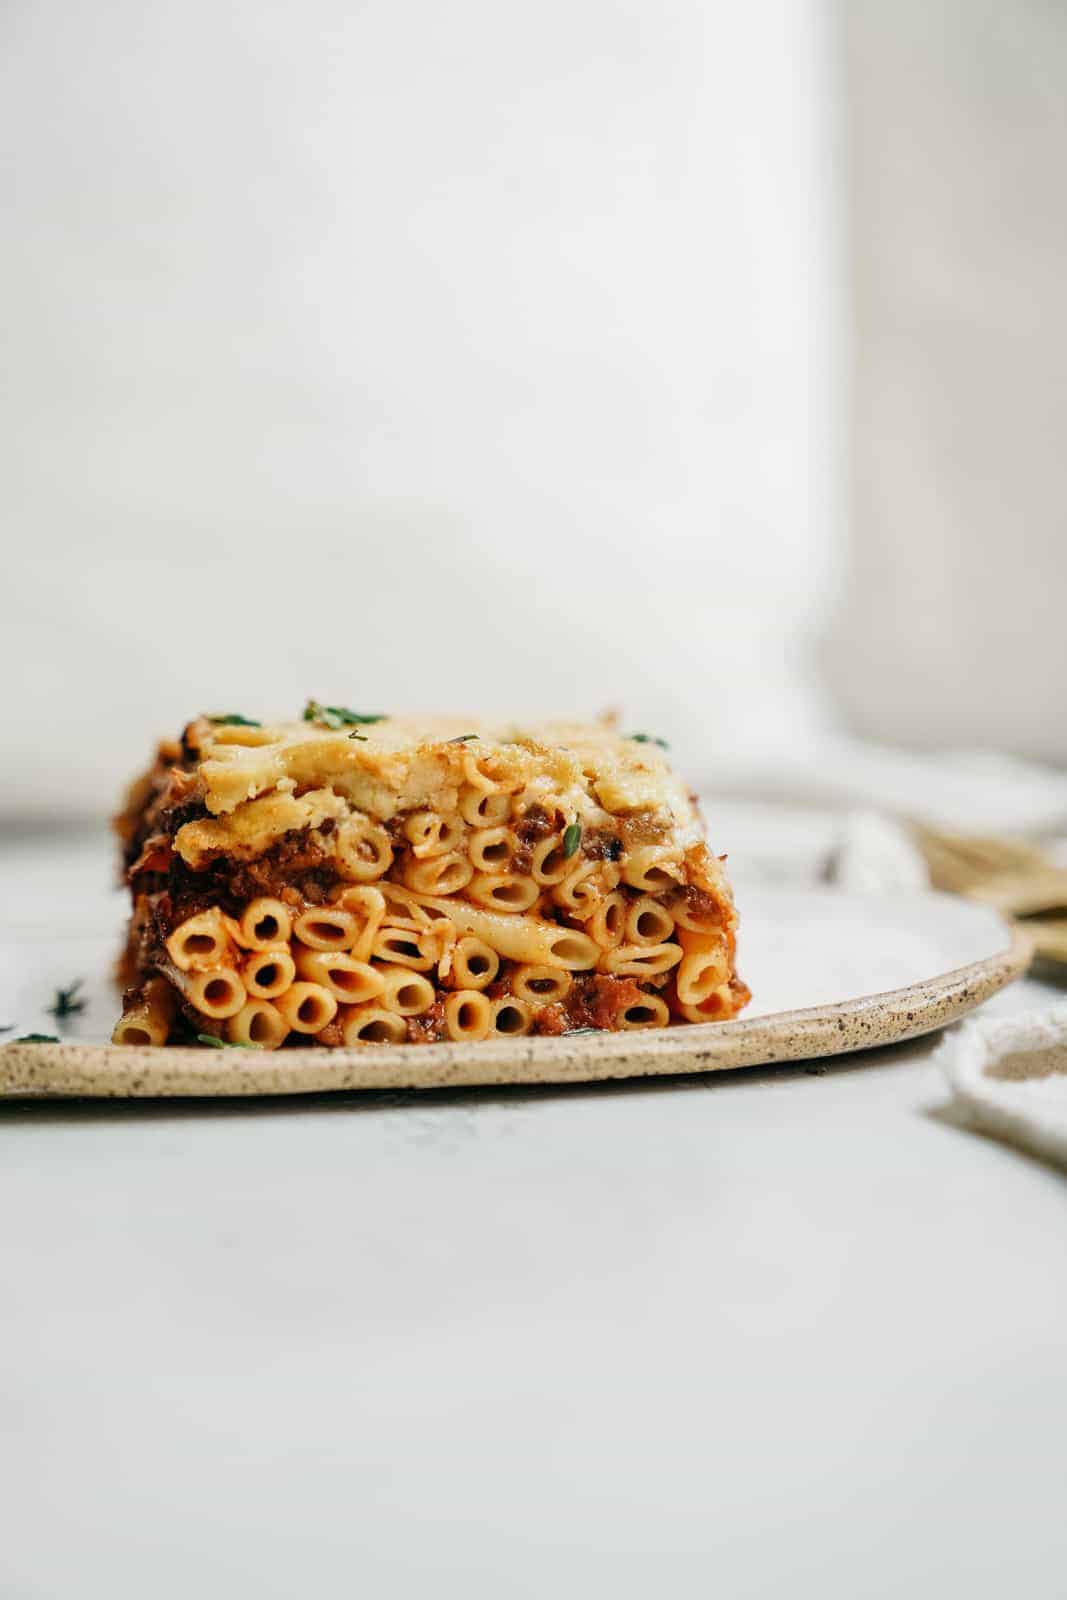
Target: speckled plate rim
[36,1071]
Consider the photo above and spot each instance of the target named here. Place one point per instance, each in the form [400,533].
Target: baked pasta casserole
[351,878]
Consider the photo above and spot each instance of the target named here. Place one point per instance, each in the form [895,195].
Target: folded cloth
[980,791]
[1008,1077]
[877,854]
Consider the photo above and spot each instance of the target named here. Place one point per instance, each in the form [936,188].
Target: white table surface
[766,1333]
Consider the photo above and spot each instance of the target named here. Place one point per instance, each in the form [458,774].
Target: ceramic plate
[830,972]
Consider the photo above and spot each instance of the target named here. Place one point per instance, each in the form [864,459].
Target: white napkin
[877,855]
[1008,1077]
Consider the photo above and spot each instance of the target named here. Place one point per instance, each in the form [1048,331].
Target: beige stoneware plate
[830,972]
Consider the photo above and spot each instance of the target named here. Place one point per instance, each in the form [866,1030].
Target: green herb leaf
[36,1038]
[67,1002]
[224,1044]
[462,738]
[234,719]
[572,838]
[338,716]
[648,738]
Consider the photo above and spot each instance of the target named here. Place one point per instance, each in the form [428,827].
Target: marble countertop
[766,1332]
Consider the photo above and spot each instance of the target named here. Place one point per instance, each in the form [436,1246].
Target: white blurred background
[413,356]
[951,630]
[700,359]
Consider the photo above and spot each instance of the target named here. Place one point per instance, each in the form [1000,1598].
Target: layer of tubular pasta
[388,881]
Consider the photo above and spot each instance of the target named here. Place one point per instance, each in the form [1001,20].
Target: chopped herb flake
[462,738]
[234,719]
[355,734]
[36,1038]
[648,738]
[224,1044]
[572,1031]
[338,716]
[67,1003]
[572,838]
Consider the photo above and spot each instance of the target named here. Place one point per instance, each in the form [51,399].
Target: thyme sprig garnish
[225,1044]
[572,838]
[68,1002]
[234,719]
[648,738]
[338,716]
